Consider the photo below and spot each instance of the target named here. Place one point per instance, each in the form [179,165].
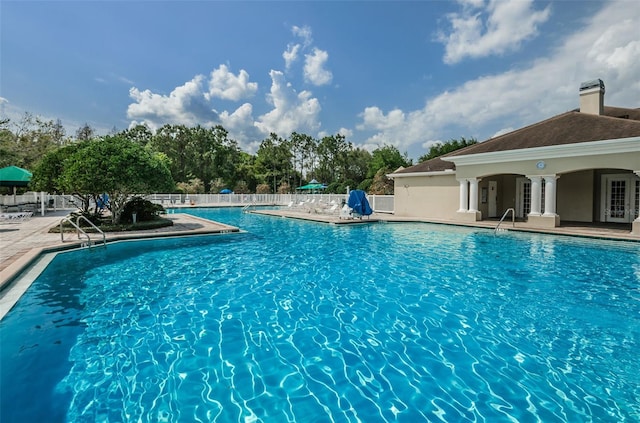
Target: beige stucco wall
[430,197]
[575,196]
[437,196]
[628,161]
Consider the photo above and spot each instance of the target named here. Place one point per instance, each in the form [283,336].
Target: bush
[145,210]
[263,189]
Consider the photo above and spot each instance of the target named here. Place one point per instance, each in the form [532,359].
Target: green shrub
[145,210]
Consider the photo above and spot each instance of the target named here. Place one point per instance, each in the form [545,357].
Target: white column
[536,195]
[473,195]
[550,195]
[464,196]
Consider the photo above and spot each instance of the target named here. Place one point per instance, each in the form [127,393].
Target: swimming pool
[309,322]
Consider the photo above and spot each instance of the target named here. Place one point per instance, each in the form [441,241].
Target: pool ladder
[247,208]
[89,242]
[513,220]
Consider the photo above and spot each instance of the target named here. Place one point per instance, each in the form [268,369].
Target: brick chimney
[592,97]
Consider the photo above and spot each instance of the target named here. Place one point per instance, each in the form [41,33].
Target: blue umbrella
[226,191]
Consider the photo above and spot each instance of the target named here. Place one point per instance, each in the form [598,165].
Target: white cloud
[241,127]
[606,46]
[481,30]
[291,54]
[304,33]
[192,104]
[315,60]
[374,118]
[314,71]
[227,86]
[291,111]
[186,105]
[502,132]
[428,144]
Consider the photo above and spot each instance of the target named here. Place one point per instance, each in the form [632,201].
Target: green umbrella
[312,187]
[14,176]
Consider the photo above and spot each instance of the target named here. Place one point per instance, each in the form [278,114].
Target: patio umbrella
[14,176]
[310,187]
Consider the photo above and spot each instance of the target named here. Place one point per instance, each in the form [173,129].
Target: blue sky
[383,72]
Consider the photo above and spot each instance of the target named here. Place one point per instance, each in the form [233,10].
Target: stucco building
[579,166]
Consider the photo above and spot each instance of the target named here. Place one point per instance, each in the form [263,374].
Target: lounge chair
[328,210]
[15,217]
[345,212]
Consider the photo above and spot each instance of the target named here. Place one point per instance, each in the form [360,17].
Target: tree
[388,158]
[440,149]
[273,161]
[358,160]
[46,174]
[139,133]
[381,184]
[85,133]
[116,166]
[332,158]
[9,154]
[198,152]
[245,174]
[302,147]
[25,142]
[194,186]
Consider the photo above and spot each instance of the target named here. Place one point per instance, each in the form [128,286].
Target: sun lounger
[15,217]
[334,209]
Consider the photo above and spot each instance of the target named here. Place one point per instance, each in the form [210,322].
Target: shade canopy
[310,187]
[14,176]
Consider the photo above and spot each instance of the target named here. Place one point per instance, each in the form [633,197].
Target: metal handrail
[80,231]
[513,218]
[246,208]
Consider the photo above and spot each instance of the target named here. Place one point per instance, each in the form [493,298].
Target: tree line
[199,159]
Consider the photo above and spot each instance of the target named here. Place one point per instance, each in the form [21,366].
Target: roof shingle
[567,128]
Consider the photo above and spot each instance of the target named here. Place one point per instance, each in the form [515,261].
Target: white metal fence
[36,201]
[33,201]
[379,203]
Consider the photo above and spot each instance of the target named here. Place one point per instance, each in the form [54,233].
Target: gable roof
[433,165]
[567,128]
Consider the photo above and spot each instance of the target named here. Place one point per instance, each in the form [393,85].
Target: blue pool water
[307,322]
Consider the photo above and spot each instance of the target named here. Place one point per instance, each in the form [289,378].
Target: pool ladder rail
[81,233]
[247,208]
[513,220]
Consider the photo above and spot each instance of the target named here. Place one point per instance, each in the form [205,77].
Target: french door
[523,197]
[620,198]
